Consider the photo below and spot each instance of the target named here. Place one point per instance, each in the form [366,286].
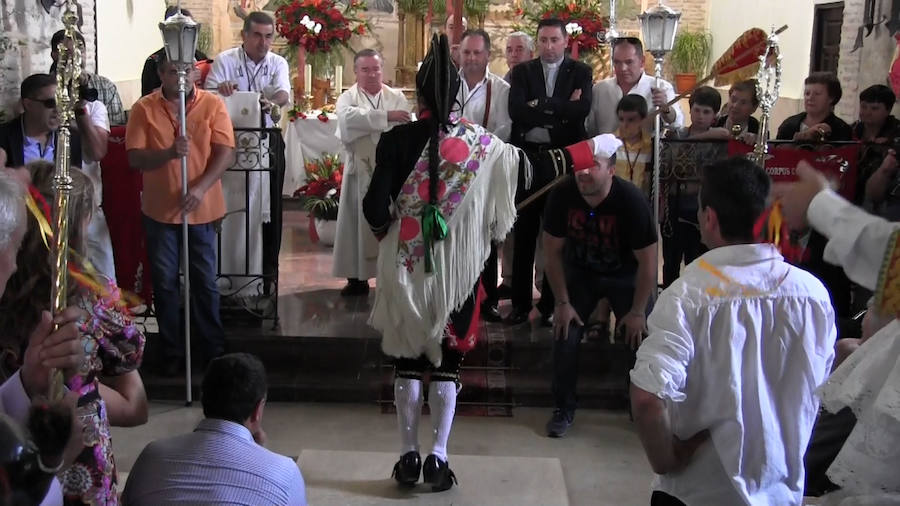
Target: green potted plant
[690,57]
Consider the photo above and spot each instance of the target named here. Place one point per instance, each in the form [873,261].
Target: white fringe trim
[412,309]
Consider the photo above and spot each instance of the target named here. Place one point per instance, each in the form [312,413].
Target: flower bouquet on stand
[321,29]
[321,195]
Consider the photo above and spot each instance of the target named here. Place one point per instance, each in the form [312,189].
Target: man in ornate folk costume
[440,193]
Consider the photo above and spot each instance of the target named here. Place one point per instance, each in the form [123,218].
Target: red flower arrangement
[320,25]
[585,13]
[322,192]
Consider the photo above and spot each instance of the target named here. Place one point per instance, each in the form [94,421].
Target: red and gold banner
[741,60]
[837,163]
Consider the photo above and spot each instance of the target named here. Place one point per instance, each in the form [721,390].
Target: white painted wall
[127,32]
[728,19]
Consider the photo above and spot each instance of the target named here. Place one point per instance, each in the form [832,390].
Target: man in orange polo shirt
[155,148]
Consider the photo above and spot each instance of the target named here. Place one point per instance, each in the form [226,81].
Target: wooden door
[826,43]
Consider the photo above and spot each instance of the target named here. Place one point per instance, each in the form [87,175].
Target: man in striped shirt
[223,460]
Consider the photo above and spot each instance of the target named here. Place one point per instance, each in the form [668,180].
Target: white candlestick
[339,78]
[307,79]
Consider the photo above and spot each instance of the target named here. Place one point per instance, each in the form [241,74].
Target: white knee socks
[408,400]
[442,400]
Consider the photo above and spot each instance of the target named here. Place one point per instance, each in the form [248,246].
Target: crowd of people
[725,363]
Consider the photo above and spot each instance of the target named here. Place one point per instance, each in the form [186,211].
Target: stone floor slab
[350,478]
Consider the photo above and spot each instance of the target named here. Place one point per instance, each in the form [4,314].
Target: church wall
[869,64]
[128,32]
[25,38]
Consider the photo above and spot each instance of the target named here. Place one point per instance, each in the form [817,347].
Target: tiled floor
[309,304]
[601,459]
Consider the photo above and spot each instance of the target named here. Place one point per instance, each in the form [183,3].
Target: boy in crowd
[742,103]
[636,153]
[681,233]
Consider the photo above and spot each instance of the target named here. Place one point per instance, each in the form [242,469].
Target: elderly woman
[114,346]
[821,92]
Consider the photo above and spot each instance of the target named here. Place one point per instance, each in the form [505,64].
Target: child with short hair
[742,103]
[636,153]
[681,232]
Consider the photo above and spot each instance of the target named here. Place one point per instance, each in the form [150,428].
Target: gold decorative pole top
[68,75]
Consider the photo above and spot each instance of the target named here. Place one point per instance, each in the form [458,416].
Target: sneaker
[406,470]
[438,473]
[559,423]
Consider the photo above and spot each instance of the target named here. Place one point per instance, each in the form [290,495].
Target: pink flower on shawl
[454,150]
[409,228]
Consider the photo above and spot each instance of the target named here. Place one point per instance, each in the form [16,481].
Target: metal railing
[259,167]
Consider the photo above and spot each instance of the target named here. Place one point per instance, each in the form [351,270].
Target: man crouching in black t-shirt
[600,242]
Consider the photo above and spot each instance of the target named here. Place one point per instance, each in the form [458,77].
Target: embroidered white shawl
[479,175]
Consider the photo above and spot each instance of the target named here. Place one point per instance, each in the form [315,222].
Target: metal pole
[658,58]
[185,256]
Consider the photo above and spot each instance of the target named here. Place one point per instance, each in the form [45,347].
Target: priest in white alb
[364,111]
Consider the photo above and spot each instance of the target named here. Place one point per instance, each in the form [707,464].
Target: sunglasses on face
[49,103]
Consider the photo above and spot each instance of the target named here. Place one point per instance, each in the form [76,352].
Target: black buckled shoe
[438,473]
[406,470]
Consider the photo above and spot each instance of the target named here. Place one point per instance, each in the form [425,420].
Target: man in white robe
[723,389]
[251,67]
[364,111]
[483,98]
[868,381]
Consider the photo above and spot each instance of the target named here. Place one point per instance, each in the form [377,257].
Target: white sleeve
[501,125]
[670,94]
[857,241]
[281,80]
[663,358]
[14,402]
[218,73]
[592,122]
[356,122]
[98,113]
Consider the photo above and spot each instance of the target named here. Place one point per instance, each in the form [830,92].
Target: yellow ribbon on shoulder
[887,291]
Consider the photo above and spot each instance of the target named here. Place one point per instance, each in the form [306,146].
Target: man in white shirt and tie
[628,63]
[364,111]
[723,389]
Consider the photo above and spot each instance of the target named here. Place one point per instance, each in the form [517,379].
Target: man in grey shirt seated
[223,460]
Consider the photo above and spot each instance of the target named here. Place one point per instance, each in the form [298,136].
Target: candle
[339,78]
[307,79]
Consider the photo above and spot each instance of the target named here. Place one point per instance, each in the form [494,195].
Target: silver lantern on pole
[658,26]
[179,34]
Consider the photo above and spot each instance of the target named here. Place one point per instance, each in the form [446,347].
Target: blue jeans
[164,252]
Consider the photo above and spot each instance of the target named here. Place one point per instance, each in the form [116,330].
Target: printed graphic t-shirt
[600,240]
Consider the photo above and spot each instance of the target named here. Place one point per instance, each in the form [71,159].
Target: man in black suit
[549,99]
